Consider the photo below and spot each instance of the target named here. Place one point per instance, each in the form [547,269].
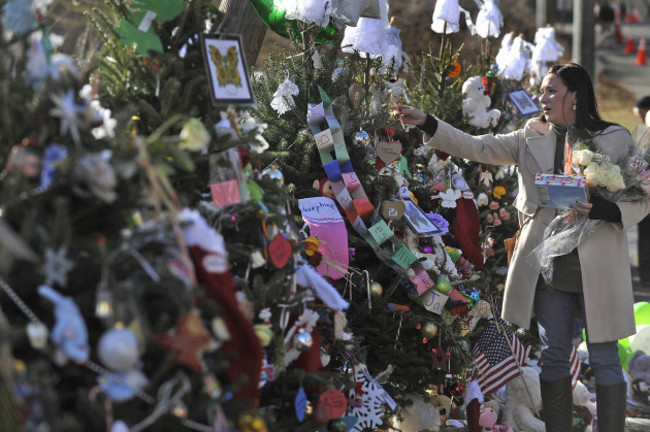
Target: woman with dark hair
[594,279]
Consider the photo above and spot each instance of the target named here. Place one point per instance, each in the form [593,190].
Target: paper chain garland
[349,193]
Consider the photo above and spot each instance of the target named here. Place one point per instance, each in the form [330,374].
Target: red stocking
[466,230]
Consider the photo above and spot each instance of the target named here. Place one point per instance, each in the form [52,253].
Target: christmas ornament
[302,341]
[97,174]
[283,97]
[194,136]
[264,333]
[489,19]
[368,410]
[251,423]
[361,139]
[57,266]
[18,16]
[300,404]
[37,333]
[440,359]
[274,173]
[393,210]
[187,341]
[449,198]
[443,285]
[274,14]
[280,250]
[69,112]
[69,332]
[335,403]
[430,330]
[376,289]
[455,72]
[118,349]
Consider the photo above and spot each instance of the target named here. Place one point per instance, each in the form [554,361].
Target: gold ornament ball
[430,330]
[376,289]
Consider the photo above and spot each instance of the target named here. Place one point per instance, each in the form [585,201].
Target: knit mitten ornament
[466,230]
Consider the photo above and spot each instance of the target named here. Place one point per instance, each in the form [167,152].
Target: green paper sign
[403,257]
[380,232]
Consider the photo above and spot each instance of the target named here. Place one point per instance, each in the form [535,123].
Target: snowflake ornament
[69,112]
[57,267]
[366,400]
[283,97]
[449,198]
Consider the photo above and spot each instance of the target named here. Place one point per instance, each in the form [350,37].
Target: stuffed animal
[639,368]
[582,398]
[419,416]
[476,104]
[442,404]
[524,402]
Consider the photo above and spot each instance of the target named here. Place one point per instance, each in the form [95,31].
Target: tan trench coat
[604,256]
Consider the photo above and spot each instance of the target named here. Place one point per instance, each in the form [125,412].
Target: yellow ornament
[376,289]
[264,333]
[251,423]
[430,330]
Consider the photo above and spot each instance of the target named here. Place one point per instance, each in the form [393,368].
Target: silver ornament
[361,139]
[118,349]
[274,173]
[302,341]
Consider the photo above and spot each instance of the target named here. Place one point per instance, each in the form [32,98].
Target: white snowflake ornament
[57,267]
[366,405]
[449,198]
[283,97]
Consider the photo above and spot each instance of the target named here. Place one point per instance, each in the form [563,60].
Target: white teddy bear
[524,402]
[582,397]
[476,104]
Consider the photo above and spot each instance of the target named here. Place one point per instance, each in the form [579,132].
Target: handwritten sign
[422,280]
[280,251]
[324,140]
[389,152]
[321,209]
[335,403]
[351,181]
[380,232]
[434,301]
[404,257]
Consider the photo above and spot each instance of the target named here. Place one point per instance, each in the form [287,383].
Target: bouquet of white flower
[629,181]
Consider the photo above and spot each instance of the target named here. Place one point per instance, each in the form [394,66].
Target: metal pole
[545,12]
[584,36]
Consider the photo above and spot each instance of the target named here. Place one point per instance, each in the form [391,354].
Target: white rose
[194,136]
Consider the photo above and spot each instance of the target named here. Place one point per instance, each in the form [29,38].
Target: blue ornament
[18,16]
[54,153]
[301,404]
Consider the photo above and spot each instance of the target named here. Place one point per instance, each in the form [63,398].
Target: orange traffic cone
[640,55]
[618,35]
[629,46]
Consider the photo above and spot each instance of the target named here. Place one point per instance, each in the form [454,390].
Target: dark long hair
[577,79]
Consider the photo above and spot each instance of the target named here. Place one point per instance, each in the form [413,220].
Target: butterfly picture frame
[225,64]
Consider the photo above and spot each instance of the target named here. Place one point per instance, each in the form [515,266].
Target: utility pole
[584,47]
[545,12]
[240,18]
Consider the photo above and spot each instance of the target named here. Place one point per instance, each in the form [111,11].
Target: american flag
[575,367]
[494,359]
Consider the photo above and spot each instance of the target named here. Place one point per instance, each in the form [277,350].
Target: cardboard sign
[393,210]
[434,301]
[389,152]
[280,251]
[422,280]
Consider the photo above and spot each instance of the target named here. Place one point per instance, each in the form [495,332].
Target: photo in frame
[523,102]
[225,64]
[419,221]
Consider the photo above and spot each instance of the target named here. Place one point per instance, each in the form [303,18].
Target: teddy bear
[524,402]
[582,398]
[442,404]
[476,104]
[420,416]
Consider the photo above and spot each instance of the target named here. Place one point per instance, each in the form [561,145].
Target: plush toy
[476,104]
[420,416]
[639,368]
[442,404]
[582,398]
[524,402]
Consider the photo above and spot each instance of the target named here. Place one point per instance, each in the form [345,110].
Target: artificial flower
[499,192]
[494,205]
[194,136]
[482,199]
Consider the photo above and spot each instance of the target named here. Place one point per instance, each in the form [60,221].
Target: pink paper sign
[225,193]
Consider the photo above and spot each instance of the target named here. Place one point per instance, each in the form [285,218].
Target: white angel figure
[489,20]
[517,60]
[369,36]
[547,48]
[446,16]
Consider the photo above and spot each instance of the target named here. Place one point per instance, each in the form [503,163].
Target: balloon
[273,14]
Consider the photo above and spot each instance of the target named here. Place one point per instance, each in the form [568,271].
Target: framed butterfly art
[226,68]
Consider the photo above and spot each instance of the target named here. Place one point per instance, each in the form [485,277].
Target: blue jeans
[556,311]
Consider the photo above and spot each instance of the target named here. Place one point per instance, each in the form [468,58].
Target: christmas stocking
[466,230]
[208,253]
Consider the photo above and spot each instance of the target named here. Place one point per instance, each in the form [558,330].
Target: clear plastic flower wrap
[627,181]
